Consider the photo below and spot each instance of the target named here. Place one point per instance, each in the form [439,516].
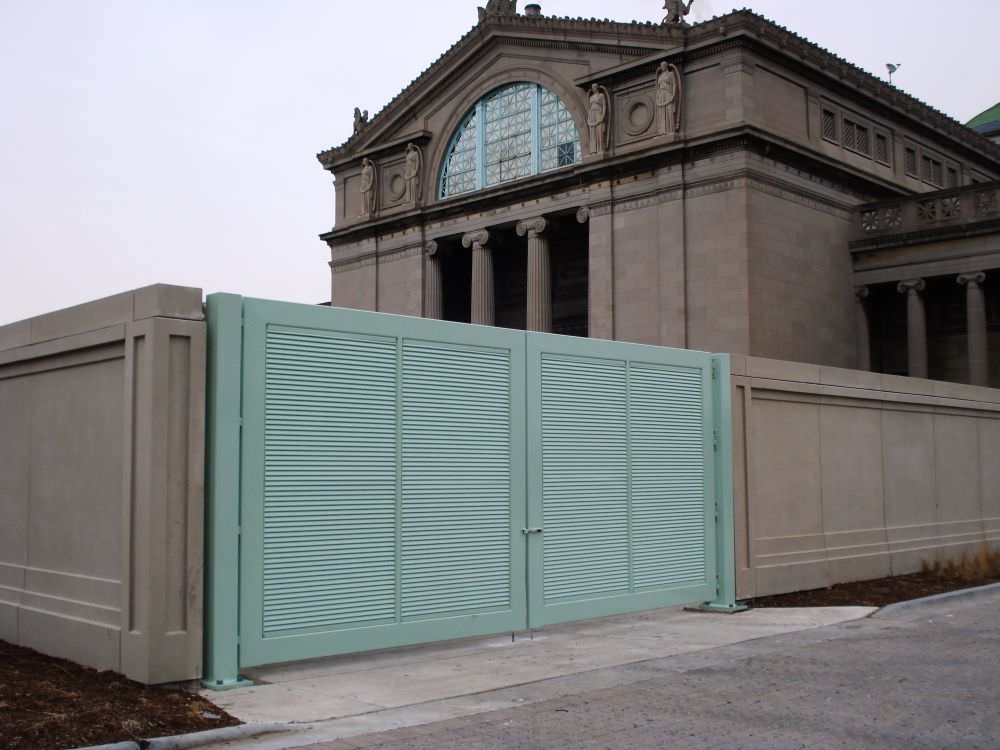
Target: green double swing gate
[376,481]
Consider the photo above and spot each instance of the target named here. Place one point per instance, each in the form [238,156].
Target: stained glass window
[514,132]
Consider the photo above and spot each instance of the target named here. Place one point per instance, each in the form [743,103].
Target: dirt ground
[53,704]
[881,592]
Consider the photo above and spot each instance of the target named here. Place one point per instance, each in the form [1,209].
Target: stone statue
[411,173]
[676,10]
[597,118]
[360,119]
[369,187]
[668,98]
[498,8]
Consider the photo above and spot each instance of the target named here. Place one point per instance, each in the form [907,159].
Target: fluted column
[916,327]
[539,317]
[863,337]
[433,290]
[975,306]
[483,306]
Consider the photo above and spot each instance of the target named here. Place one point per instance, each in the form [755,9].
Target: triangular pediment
[494,49]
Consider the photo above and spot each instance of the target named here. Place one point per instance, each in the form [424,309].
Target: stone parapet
[957,212]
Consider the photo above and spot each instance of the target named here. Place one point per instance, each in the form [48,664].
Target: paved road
[924,678]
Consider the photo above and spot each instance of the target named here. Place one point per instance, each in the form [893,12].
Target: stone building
[727,186]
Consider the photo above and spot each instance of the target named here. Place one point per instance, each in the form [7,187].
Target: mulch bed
[878,593]
[52,704]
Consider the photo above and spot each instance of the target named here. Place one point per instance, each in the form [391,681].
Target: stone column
[916,327]
[433,290]
[863,337]
[539,317]
[483,306]
[975,306]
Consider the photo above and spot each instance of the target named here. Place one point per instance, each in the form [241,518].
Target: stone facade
[711,201]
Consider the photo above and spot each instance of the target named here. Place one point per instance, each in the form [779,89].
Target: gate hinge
[532,531]
[715,369]
[715,440]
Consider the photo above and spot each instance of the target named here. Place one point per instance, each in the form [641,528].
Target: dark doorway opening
[456,281]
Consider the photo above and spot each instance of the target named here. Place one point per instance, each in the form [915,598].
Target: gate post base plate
[239,682]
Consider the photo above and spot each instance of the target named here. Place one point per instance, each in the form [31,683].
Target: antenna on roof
[892,68]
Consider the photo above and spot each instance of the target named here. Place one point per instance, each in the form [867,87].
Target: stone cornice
[962,231]
[820,168]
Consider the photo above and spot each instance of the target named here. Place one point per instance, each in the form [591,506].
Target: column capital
[911,286]
[973,278]
[431,248]
[861,292]
[533,227]
[583,214]
[477,240]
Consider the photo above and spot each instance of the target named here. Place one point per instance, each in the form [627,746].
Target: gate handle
[532,531]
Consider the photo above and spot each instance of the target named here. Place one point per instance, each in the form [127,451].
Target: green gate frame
[235,325]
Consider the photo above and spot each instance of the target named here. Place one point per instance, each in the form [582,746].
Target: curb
[198,739]
[927,600]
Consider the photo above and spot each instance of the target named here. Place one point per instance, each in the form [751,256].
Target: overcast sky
[174,140]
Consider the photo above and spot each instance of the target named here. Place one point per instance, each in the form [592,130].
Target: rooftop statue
[676,10]
[498,8]
[360,119]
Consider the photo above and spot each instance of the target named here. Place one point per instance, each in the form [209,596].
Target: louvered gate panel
[585,478]
[330,482]
[382,492]
[456,509]
[669,474]
[621,478]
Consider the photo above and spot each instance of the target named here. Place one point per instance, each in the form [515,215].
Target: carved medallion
[638,115]
[397,187]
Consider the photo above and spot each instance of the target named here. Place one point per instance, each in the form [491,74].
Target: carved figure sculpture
[668,98]
[597,118]
[676,10]
[498,8]
[360,119]
[411,173]
[369,185]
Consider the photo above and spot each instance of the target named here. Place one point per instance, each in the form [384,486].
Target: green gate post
[725,534]
[222,507]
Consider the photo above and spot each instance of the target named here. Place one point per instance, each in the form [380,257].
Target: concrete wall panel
[101,481]
[853,477]
[76,445]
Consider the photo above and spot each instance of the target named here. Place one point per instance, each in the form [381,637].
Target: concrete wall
[843,475]
[101,483]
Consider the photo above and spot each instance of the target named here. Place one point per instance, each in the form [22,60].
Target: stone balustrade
[929,211]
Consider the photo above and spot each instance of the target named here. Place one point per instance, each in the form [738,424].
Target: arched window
[514,132]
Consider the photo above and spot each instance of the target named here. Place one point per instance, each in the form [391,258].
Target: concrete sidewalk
[923,677]
[441,681]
